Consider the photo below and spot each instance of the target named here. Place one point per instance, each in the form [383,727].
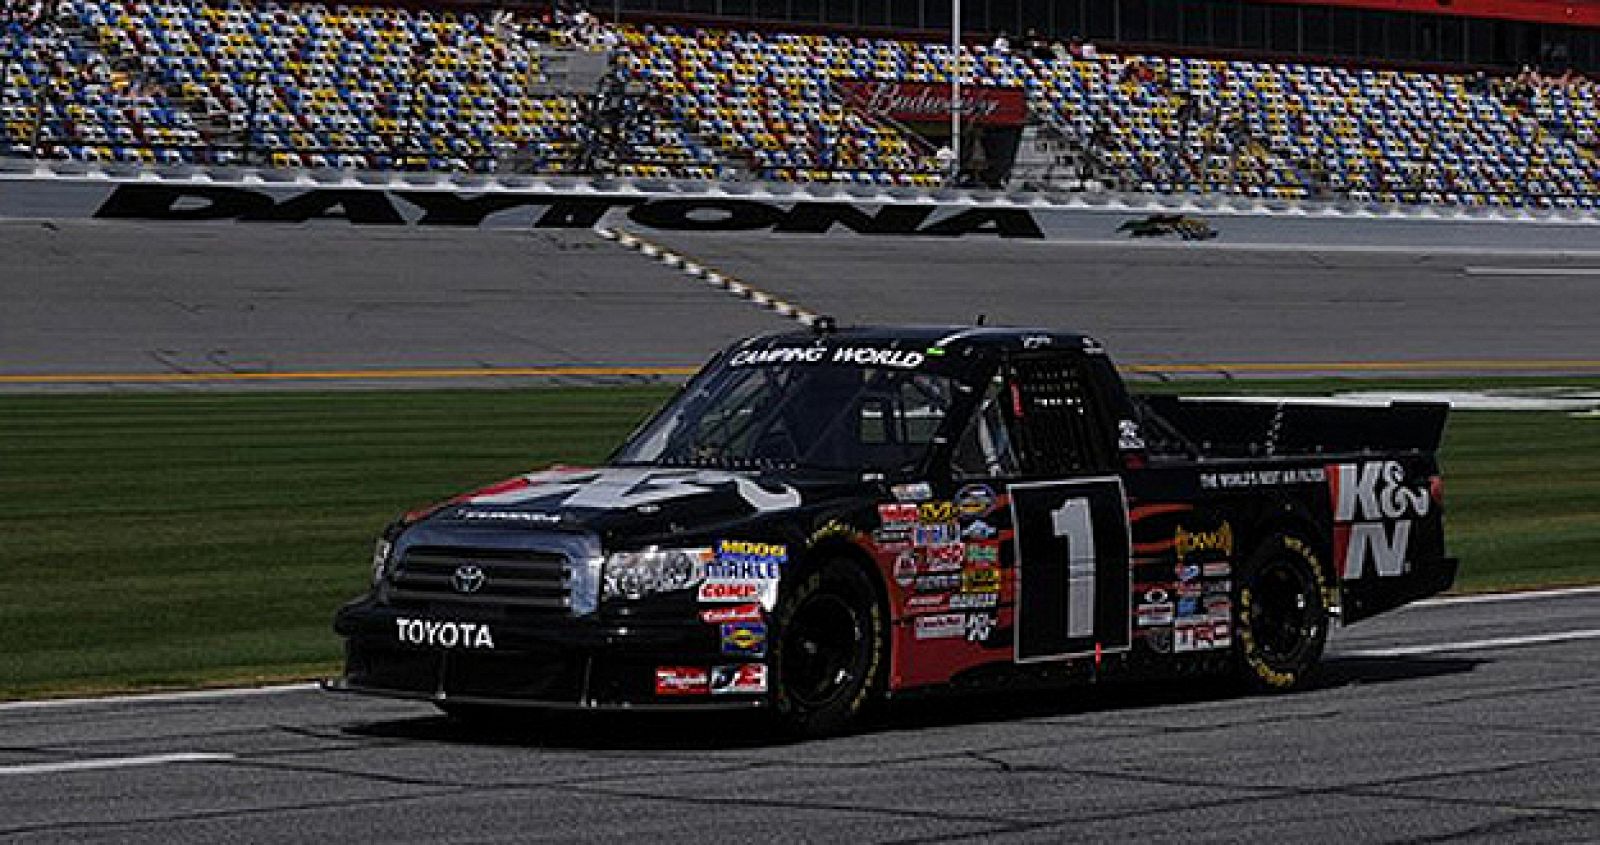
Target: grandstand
[312,85]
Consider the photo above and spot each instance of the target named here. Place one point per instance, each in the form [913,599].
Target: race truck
[821,520]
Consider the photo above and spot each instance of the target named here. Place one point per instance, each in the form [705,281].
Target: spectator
[946,158]
[1036,46]
[1002,44]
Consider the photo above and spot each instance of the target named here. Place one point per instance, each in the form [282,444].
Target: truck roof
[952,338]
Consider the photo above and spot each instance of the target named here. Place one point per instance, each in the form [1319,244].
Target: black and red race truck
[821,520]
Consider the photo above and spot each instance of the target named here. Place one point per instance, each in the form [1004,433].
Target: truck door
[1051,446]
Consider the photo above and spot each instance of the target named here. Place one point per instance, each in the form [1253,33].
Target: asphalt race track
[1167,301]
[1489,730]
[105,297]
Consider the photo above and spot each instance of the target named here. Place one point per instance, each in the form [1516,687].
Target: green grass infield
[175,540]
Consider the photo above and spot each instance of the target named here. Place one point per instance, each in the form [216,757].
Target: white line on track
[112,763]
[156,697]
[1531,271]
[1477,645]
[1490,598]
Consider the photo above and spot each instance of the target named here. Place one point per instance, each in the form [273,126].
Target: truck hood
[643,504]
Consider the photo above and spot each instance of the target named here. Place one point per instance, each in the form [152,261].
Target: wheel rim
[1283,616]
[822,653]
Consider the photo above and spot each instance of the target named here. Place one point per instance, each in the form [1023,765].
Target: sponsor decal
[1151,615]
[1218,542]
[983,553]
[868,356]
[740,560]
[1260,478]
[863,356]
[936,534]
[1219,569]
[974,601]
[431,632]
[979,626]
[739,678]
[975,500]
[1182,638]
[739,592]
[1188,606]
[892,539]
[744,639]
[1372,516]
[898,514]
[919,491]
[1155,595]
[1160,639]
[372,207]
[979,530]
[929,102]
[510,516]
[932,512]
[1188,572]
[932,603]
[682,680]
[980,579]
[737,613]
[1189,588]
[1219,610]
[1222,635]
[941,627]
[781,355]
[905,568]
[1223,587]
[1197,633]
[943,583]
[1128,438]
[946,557]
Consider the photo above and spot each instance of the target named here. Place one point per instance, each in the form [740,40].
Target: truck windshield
[817,416]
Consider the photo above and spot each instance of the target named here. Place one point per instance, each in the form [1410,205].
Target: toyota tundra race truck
[822,520]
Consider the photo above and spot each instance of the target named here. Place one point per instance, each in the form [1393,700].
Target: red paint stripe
[1137,513]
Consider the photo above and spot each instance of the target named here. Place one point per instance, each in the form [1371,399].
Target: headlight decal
[634,575]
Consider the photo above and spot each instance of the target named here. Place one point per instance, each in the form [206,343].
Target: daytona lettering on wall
[377,207]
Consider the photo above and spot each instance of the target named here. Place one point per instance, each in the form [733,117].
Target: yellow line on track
[1313,367]
[326,375]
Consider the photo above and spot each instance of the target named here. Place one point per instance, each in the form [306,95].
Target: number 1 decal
[1073,579]
[1071,523]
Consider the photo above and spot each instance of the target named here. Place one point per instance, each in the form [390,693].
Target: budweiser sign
[926,102]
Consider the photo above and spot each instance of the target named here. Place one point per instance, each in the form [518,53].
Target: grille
[514,580]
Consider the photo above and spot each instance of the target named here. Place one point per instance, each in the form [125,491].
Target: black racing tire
[830,657]
[1282,615]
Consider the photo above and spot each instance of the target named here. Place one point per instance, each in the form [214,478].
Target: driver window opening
[985,450]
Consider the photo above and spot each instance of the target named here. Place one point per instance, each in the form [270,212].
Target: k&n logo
[1371,510]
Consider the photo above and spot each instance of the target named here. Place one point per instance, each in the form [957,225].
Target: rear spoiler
[1252,428]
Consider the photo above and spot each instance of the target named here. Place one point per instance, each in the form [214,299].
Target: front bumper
[548,662]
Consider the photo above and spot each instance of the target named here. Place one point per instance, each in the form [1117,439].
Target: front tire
[830,658]
[1282,615]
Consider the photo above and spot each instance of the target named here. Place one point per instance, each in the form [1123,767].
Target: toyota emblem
[468,578]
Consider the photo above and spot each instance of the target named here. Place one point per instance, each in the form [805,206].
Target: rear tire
[830,658]
[1282,615]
